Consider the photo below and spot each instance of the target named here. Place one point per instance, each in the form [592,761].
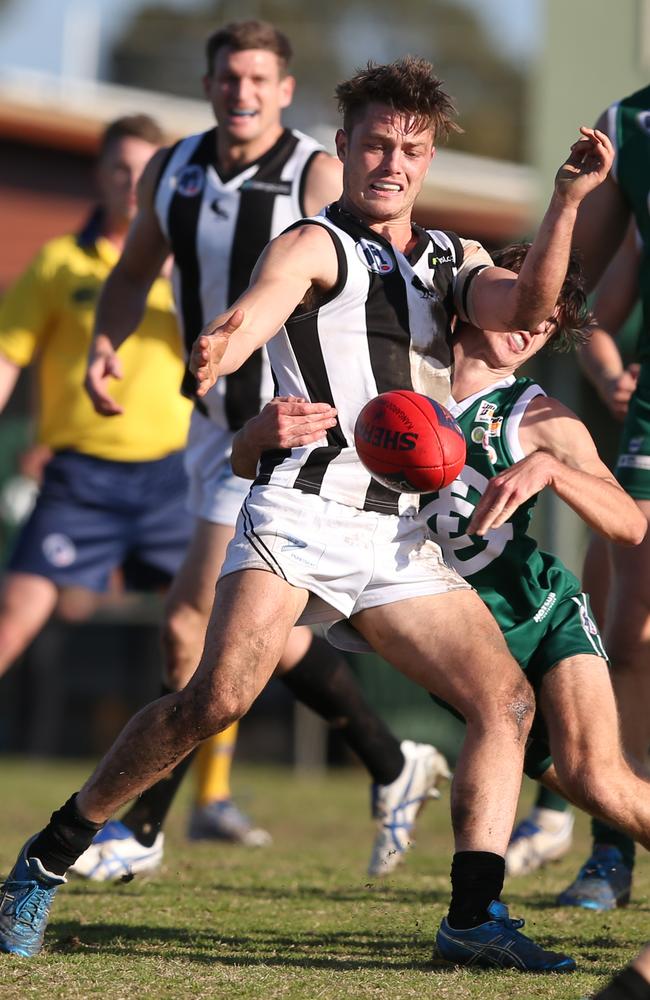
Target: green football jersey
[520,584]
[629,129]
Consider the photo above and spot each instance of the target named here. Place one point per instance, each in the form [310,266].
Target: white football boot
[396,806]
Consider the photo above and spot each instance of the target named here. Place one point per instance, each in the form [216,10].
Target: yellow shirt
[47,317]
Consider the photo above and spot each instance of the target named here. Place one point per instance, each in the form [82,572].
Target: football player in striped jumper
[215,200]
[351,303]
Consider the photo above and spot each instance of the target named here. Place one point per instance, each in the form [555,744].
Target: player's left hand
[208,351]
[507,491]
[587,165]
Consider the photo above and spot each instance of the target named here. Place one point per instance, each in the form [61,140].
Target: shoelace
[30,908]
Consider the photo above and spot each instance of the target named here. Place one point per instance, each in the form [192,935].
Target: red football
[408,442]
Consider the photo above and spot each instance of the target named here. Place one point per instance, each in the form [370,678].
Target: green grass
[296,920]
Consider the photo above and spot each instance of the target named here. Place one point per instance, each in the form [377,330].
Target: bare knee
[206,712]
[507,708]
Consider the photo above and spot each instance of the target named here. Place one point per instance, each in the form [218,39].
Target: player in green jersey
[622,206]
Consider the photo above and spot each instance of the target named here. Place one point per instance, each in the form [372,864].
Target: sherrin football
[408,442]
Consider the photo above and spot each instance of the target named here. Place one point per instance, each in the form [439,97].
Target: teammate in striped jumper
[350,303]
[214,200]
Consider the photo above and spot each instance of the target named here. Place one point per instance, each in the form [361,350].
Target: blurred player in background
[95,511]
[605,219]
[214,200]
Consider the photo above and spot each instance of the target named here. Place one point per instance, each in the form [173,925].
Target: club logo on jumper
[635,444]
[190,181]
[269,187]
[382,437]
[449,513]
[59,550]
[375,257]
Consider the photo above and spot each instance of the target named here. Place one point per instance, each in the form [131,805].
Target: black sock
[607,836]
[64,839]
[148,812]
[627,985]
[476,879]
[325,682]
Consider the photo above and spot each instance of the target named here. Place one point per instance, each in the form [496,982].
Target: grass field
[296,920]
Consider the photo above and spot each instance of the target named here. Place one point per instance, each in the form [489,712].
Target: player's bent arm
[285,422]
[324,183]
[9,372]
[576,472]
[501,300]
[292,265]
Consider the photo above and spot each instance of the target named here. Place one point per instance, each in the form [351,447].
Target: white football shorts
[348,559]
[215,492]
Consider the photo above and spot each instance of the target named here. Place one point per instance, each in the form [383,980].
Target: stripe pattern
[386,326]
[217,227]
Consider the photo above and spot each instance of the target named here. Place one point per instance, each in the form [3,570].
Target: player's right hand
[289,422]
[208,351]
[102,366]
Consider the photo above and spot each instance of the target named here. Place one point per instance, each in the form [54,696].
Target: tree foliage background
[162,48]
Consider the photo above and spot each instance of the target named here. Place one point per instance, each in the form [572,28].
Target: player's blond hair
[408,86]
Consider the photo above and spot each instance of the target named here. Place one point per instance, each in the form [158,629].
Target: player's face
[385,161]
[509,351]
[118,173]
[248,93]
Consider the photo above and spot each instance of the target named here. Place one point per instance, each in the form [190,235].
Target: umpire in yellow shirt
[114,491]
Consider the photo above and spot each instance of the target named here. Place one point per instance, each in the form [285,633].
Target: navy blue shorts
[93,516]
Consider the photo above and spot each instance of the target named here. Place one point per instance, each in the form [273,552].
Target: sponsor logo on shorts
[375,257]
[545,607]
[59,550]
[293,543]
[587,623]
[190,181]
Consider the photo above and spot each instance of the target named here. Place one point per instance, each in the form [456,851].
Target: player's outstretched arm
[562,456]
[123,298]
[501,300]
[294,264]
[285,422]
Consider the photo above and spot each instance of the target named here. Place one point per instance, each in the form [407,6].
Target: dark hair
[573,317]
[242,35]
[408,86]
[130,127]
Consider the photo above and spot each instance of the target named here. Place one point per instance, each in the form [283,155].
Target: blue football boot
[604,882]
[25,901]
[497,944]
